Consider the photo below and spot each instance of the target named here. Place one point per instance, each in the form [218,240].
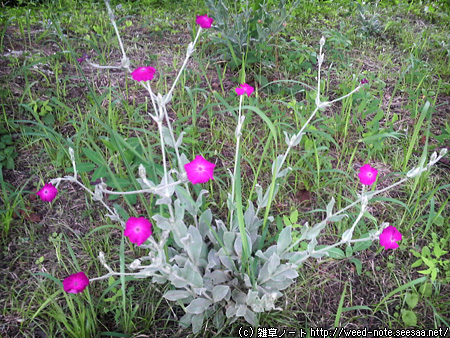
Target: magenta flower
[83,58]
[138,230]
[203,21]
[244,89]
[76,283]
[364,81]
[199,170]
[389,238]
[143,73]
[47,193]
[367,174]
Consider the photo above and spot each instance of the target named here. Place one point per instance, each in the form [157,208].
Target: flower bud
[183,177]
[317,101]
[190,49]
[433,157]
[136,263]
[125,62]
[364,201]
[142,172]
[101,257]
[413,172]
[238,133]
[364,81]
[323,104]
[72,155]
[322,41]
[320,59]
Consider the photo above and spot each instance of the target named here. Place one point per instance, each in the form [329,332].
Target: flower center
[369,174]
[200,168]
[137,229]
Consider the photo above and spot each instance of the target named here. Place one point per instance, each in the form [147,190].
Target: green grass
[50,102]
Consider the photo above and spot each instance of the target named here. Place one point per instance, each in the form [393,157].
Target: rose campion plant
[207,262]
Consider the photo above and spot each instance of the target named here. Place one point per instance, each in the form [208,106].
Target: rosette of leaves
[204,263]
[242,32]
[369,23]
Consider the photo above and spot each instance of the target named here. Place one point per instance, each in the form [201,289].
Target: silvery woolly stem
[343,97]
[75,179]
[109,274]
[125,62]
[236,176]
[238,138]
[102,67]
[163,151]
[325,249]
[177,153]
[370,195]
[147,86]
[167,97]
[278,168]
[188,54]
[317,101]
[150,191]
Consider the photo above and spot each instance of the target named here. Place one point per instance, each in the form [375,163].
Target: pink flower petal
[199,170]
[76,283]
[203,21]
[138,230]
[47,193]
[367,174]
[143,73]
[240,91]
[244,89]
[389,238]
